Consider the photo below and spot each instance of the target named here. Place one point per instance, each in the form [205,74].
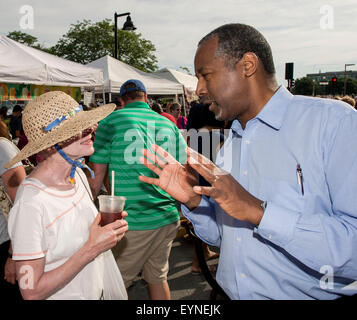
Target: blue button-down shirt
[305,246]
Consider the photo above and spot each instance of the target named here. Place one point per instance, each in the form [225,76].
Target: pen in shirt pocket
[300,178]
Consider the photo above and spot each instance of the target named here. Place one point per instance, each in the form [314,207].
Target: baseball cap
[138,86]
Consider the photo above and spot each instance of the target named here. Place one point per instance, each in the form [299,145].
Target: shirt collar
[274,111]
[137,104]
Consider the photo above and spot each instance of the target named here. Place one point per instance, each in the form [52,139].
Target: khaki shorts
[147,251]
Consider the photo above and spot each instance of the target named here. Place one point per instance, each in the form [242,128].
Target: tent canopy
[189,82]
[22,64]
[117,72]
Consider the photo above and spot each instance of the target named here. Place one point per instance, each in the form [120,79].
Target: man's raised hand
[173,177]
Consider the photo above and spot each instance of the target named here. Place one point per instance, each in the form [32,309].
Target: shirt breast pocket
[283,193]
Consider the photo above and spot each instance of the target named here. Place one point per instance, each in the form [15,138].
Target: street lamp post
[344,85]
[128,25]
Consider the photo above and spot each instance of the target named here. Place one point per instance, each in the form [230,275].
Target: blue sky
[315,35]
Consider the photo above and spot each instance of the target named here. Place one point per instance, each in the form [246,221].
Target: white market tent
[117,72]
[188,81]
[22,64]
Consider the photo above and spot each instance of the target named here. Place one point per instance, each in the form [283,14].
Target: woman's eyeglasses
[84,133]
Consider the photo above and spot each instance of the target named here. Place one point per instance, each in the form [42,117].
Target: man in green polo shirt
[152,214]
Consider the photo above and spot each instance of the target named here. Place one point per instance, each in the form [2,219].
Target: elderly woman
[60,249]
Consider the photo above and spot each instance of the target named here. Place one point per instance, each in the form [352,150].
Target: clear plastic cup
[110,208]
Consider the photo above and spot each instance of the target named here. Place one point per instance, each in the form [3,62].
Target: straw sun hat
[52,118]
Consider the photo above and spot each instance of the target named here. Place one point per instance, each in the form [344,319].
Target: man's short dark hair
[17,108]
[236,39]
[156,107]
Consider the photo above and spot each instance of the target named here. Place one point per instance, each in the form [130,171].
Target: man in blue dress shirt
[282,204]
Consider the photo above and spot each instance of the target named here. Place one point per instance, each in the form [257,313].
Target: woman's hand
[104,238]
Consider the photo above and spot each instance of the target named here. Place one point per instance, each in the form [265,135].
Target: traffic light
[289,70]
[334,85]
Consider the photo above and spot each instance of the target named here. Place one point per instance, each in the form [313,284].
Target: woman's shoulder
[28,198]
[30,188]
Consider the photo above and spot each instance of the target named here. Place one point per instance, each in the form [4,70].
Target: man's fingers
[195,156]
[161,152]
[203,171]
[150,165]
[205,167]
[206,191]
[148,180]
[153,157]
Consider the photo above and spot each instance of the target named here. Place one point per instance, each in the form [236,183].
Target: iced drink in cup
[110,208]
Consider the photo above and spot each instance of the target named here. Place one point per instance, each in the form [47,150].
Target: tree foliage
[23,38]
[87,41]
[29,40]
[306,86]
[303,86]
[185,69]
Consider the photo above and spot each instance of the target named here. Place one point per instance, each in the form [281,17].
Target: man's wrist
[193,203]
[263,205]
[262,208]
[258,212]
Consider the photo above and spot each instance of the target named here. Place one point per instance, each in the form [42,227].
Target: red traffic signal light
[334,79]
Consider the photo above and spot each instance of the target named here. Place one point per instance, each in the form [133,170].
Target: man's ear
[250,63]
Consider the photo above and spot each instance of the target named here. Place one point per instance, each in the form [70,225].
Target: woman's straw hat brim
[66,130]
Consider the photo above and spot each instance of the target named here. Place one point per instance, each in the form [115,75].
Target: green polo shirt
[118,142]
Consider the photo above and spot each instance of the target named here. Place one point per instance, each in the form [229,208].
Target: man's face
[222,87]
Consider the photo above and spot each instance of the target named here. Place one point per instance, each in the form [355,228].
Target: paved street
[183,284]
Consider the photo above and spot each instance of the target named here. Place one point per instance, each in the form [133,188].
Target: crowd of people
[274,191]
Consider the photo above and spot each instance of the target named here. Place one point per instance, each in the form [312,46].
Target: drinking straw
[112,182]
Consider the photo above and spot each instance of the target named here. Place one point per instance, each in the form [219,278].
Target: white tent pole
[183,101]
[103,95]
[103,87]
